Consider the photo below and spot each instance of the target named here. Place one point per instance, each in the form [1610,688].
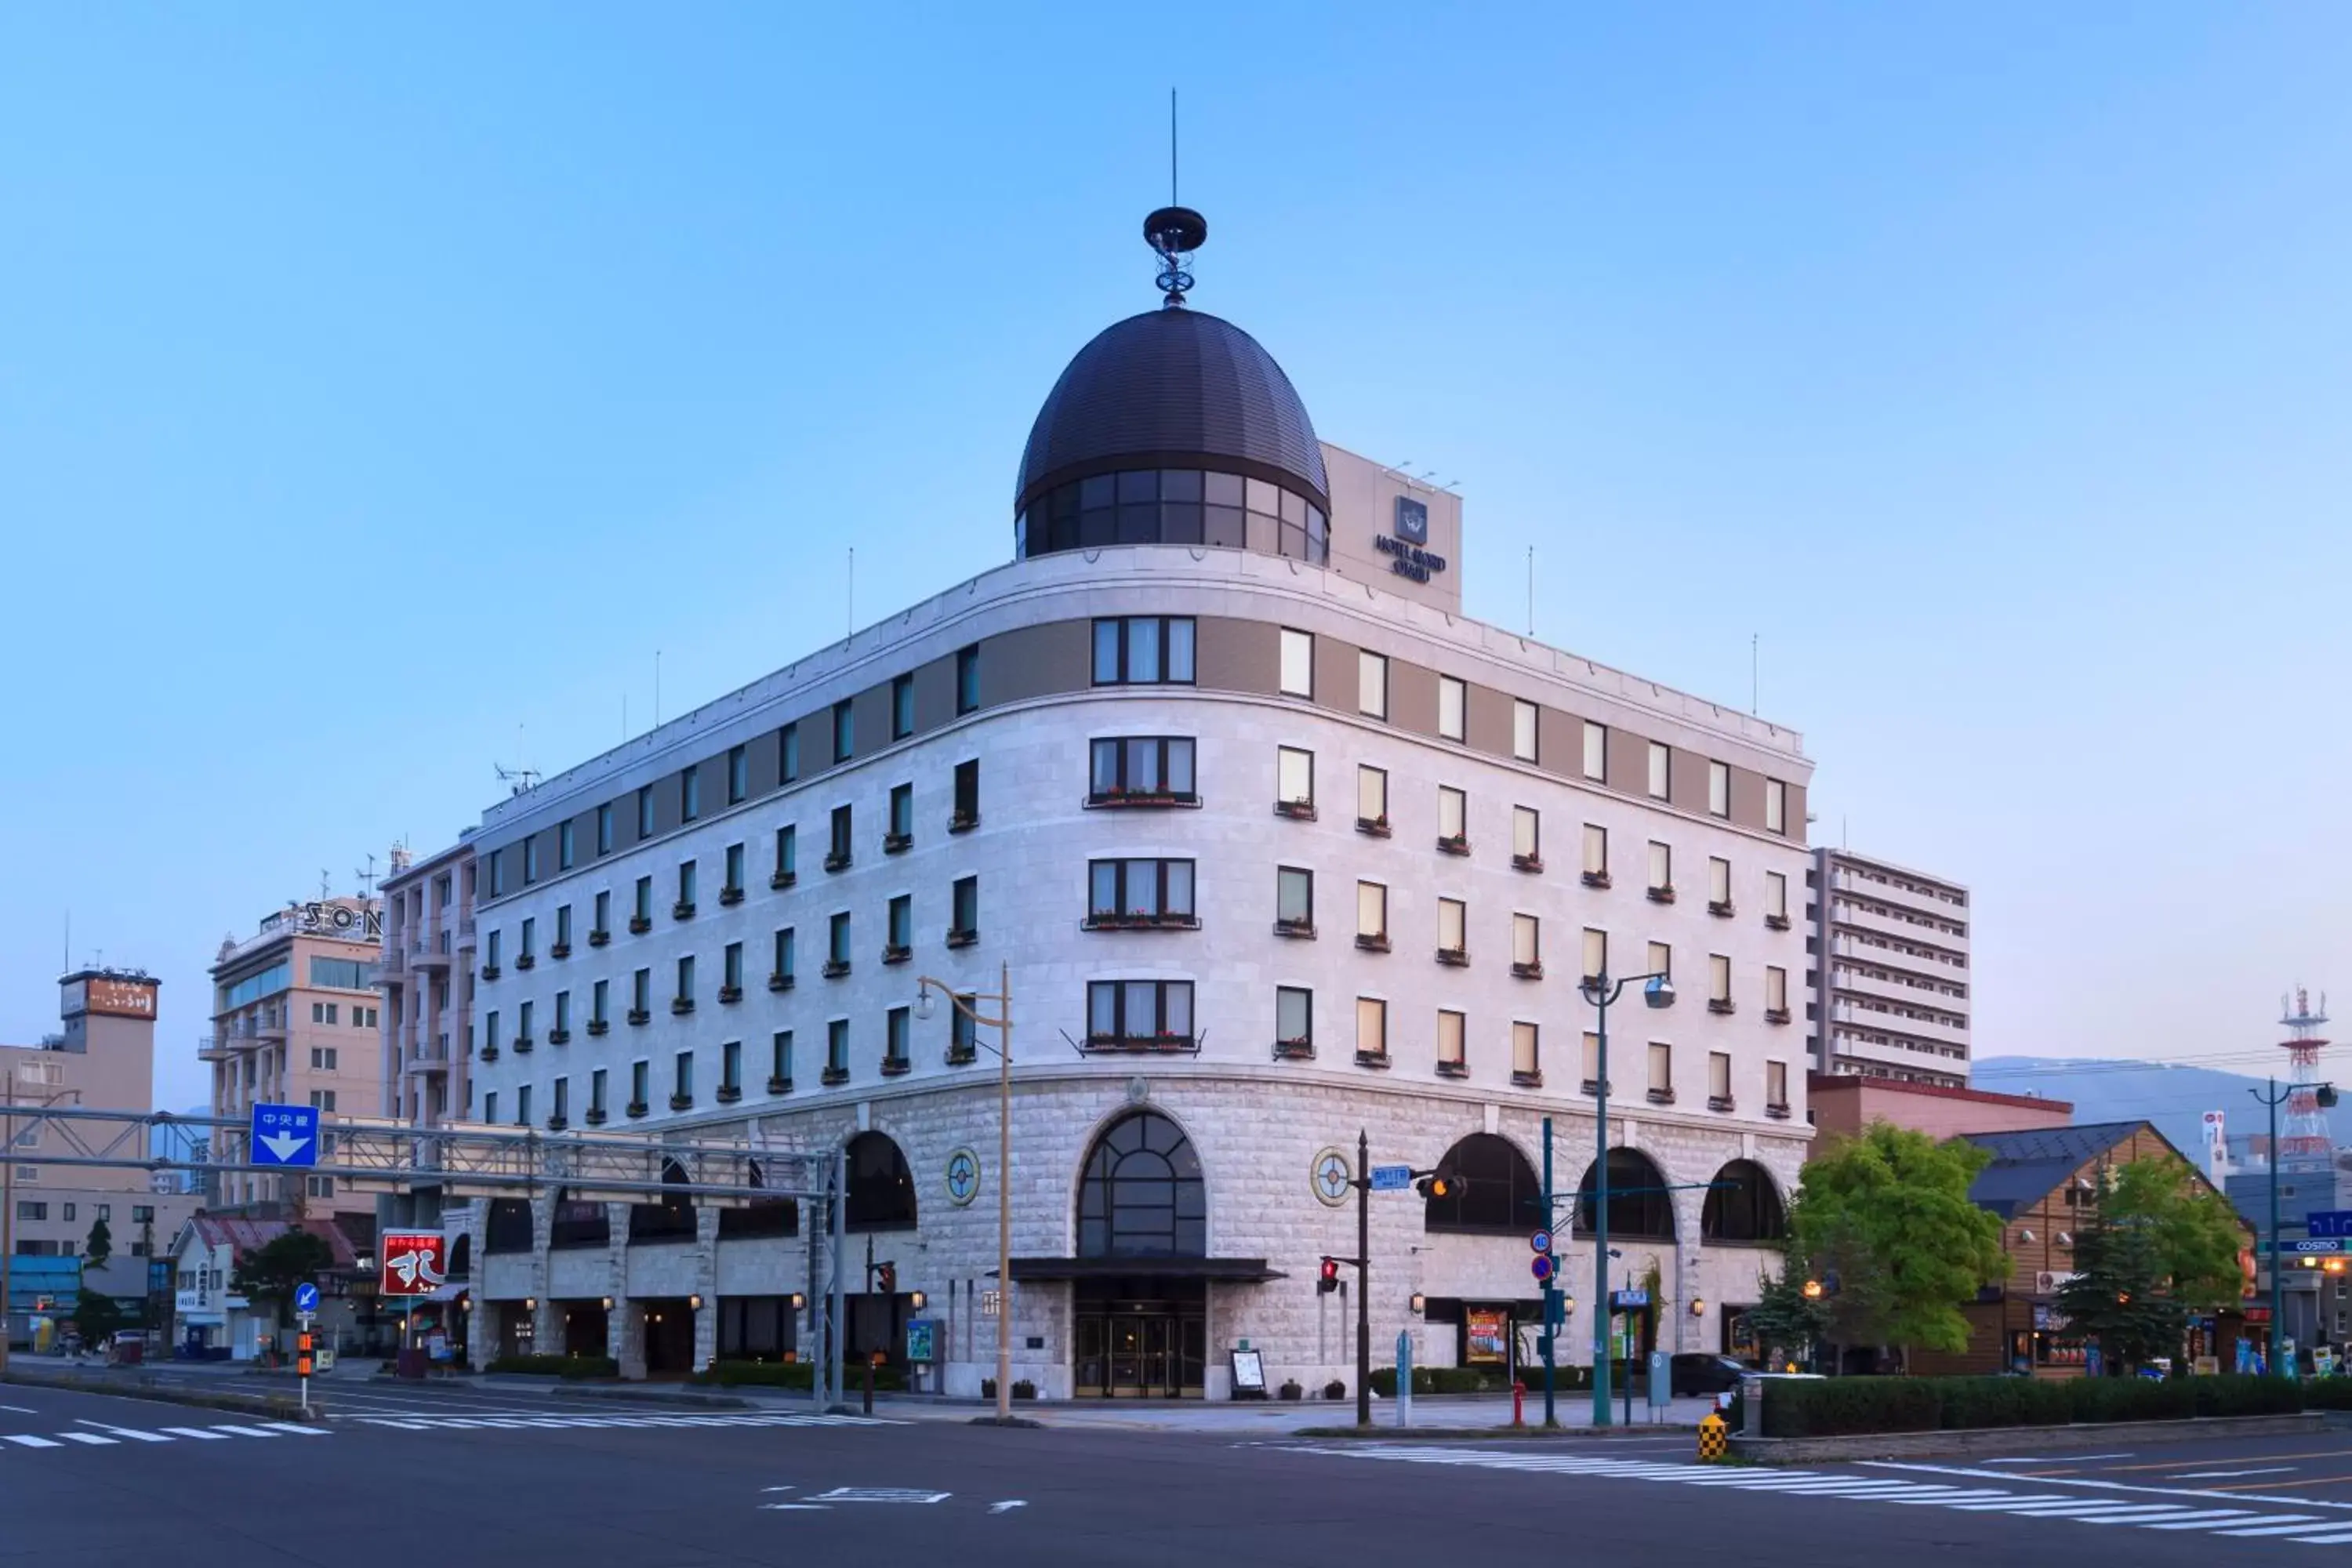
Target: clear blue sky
[1989,360]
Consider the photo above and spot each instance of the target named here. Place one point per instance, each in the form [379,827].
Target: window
[1527,946]
[837,950]
[529,861]
[1718,789]
[733,888]
[731,969]
[564,846]
[1371,1029]
[684,1001]
[1527,1062]
[1662,871]
[780,977]
[689,793]
[1453,1040]
[491,948]
[640,1086]
[787,856]
[1371,685]
[563,1030]
[1144,650]
[596,1095]
[1134,1011]
[1146,767]
[681,1092]
[69,1212]
[559,1109]
[739,775]
[1294,900]
[1297,663]
[1718,884]
[788,754]
[1141,1194]
[490,1030]
[1660,959]
[901,830]
[967,677]
[1662,1072]
[645,812]
[837,851]
[604,829]
[900,935]
[1776,806]
[963,1034]
[1719,983]
[896,1029]
[644,912]
[522,1105]
[599,997]
[641,994]
[1662,770]
[1526,838]
[1776,993]
[497,872]
[1453,818]
[324,1099]
[779,1062]
[845,731]
[902,707]
[1294,1021]
[684,889]
[1596,953]
[1596,855]
[1373,916]
[1775,1085]
[1138,892]
[1776,896]
[1372,797]
[1719,1080]
[1452,925]
[142,1214]
[964,913]
[27,1208]
[965,810]
[836,1050]
[1452,707]
[1294,778]
[526,956]
[563,930]
[106,1212]
[1596,751]
[1592,1081]
[1523,730]
[491,1105]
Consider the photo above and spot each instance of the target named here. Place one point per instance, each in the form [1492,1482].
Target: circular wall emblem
[1333,1178]
[963,1177]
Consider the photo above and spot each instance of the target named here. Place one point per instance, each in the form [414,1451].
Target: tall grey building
[1887,970]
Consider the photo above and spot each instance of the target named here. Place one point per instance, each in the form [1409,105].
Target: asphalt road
[467,1482]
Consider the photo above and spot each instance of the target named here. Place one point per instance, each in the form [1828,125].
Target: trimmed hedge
[1475,1379]
[575,1367]
[794,1375]
[2327,1393]
[1848,1406]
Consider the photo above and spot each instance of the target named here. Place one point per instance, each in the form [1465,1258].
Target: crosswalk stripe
[2205,1519]
[2279,1524]
[245,1431]
[133,1432]
[296,1429]
[92,1438]
[30,1442]
[195,1432]
[2337,1539]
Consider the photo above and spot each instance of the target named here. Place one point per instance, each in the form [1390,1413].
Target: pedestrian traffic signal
[1438,1185]
[886,1275]
[1329,1280]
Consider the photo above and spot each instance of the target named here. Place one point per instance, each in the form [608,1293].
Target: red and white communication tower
[2305,1140]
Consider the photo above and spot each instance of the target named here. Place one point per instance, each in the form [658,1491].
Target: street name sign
[285,1134]
[1391,1178]
[2329,1223]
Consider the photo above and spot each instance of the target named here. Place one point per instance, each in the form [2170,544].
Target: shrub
[2248,1396]
[2130,1399]
[2322,1393]
[1840,1406]
[1292,1392]
[1023,1389]
[1967,1402]
[1335,1389]
[1472,1379]
[567,1366]
[799,1374]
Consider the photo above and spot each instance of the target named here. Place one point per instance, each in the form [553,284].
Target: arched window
[1142,1195]
[881,1189]
[1742,1205]
[672,1217]
[1493,1190]
[1640,1206]
[760,1216]
[461,1255]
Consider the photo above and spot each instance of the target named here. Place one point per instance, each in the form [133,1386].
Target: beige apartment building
[104,1059]
[295,1020]
[426,1043]
[1889,973]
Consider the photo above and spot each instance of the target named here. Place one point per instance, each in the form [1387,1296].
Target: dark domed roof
[1169,389]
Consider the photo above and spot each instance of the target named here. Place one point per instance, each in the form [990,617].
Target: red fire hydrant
[1519,1404]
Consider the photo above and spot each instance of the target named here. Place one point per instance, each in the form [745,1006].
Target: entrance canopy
[1225,1270]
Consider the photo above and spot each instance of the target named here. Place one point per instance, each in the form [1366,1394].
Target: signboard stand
[306,1307]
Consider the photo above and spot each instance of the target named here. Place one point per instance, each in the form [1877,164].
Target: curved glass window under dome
[1174,506]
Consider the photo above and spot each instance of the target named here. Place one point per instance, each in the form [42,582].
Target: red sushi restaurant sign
[416,1262]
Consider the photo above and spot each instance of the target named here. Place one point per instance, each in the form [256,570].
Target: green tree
[96,1316]
[270,1271]
[2155,1245]
[1787,1323]
[100,1245]
[1886,1215]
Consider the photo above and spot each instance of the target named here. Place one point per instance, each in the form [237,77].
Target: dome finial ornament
[1174,232]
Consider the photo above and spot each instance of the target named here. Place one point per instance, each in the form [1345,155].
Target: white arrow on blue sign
[306,1297]
[285,1134]
[1391,1178]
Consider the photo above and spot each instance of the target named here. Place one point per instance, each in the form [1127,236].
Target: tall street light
[1657,991]
[1002,1024]
[2275,1097]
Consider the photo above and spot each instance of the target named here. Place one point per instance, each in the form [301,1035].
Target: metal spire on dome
[1174,232]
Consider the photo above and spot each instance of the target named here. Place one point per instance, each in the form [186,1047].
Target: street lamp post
[2272,1096]
[1002,1024]
[1658,991]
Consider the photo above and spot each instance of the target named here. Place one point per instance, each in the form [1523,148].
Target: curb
[1997,1439]
[1528,1434]
[278,1406]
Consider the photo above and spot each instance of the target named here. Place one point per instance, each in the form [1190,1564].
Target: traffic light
[886,1275]
[303,1343]
[1329,1280]
[1438,1185]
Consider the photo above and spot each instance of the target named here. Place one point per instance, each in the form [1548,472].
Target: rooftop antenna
[656,688]
[1531,590]
[1174,232]
[366,874]
[326,885]
[849,613]
[1754,672]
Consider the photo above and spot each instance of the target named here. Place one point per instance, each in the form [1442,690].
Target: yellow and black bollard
[1714,1438]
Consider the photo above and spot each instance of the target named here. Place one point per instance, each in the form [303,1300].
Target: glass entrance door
[1137,1345]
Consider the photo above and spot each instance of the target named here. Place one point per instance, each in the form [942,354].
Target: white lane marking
[2277,1524]
[245,1431]
[794,1508]
[296,1429]
[2054,1459]
[20,1409]
[2221,1475]
[2099,1486]
[2337,1539]
[197,1432]
[92,1438]
[131,1432]
[27,1441]
[881,1494]
[1007,1506]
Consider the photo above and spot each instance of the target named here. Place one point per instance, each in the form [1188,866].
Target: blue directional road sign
[2329,1222]
[1539,1242]
[1391,1178]
[306,1297]
[285,1134]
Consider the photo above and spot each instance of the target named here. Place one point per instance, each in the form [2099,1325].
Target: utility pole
[7,1204]
[1551,1286]
[2271,1096]
[1363,1278]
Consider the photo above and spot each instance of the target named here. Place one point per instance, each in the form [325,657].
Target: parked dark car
[1699,1375]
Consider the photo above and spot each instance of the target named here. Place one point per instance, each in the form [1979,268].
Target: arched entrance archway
[1142,1329]
[1743,1205]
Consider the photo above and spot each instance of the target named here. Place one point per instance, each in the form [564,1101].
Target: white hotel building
[1274,846]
